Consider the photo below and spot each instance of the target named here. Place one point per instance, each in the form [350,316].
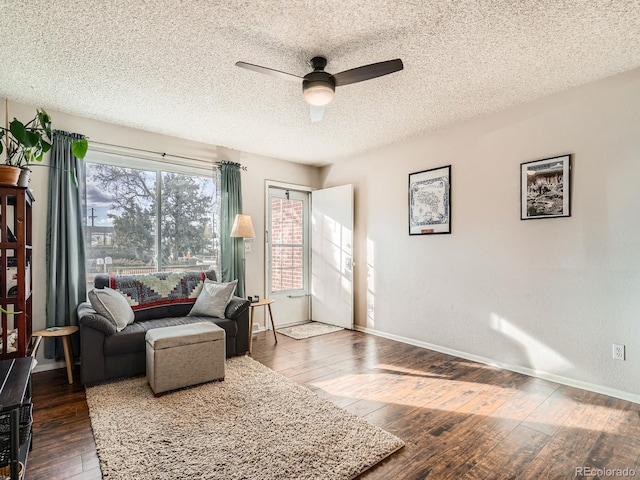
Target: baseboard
[257,328]
[46,366]
[284,325]
[571,382]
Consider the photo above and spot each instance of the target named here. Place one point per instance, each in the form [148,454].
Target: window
[145,218]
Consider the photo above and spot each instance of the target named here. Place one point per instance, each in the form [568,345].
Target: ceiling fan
[319,86]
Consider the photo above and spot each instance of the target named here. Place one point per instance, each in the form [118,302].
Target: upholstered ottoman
[184,355]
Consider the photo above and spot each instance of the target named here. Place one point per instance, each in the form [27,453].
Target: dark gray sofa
[106,353]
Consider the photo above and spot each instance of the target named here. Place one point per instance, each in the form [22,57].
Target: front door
[332,256]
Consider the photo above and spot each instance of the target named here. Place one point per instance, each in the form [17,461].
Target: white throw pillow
[213,299]
[113,305]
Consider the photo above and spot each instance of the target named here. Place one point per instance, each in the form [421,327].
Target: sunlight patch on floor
[421,389]
[411,371]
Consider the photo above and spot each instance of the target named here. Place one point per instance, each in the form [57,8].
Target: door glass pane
[287,249]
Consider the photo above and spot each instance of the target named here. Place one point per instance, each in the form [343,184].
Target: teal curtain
[232,249]
[66,284]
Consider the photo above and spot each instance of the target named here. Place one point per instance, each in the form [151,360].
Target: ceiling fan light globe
[318,94]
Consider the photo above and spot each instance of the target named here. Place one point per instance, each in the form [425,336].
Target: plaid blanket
[161,288]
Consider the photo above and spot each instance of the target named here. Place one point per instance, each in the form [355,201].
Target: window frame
[281,189]
[158,167]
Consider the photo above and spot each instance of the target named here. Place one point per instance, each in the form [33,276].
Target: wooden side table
[65,333]
[261,303]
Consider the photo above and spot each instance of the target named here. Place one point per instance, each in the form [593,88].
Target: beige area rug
[256,424]
[307,330]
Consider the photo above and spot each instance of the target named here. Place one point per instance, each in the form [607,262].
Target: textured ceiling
[168,65]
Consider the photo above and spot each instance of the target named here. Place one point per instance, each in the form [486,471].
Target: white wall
[259,170]
[541,296]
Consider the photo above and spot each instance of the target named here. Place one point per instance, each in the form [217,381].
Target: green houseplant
[25,143]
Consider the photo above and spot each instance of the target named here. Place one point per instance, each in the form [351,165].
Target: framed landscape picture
[545,187]
[430,201]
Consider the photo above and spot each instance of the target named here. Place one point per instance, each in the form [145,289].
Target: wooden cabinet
[15,271]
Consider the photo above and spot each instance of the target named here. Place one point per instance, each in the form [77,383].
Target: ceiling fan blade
[270,71]
[367,72]
[317,112]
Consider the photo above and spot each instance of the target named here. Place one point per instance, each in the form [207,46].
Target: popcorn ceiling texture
[168,65]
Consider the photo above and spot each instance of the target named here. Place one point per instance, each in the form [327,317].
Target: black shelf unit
[15,392]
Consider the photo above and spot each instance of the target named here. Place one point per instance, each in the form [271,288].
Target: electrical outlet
[618,351]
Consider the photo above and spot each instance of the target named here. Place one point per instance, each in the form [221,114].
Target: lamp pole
[243,228]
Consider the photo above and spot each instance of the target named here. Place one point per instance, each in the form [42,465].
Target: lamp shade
[243,227]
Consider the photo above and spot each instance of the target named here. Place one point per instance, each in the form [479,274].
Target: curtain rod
[162,154]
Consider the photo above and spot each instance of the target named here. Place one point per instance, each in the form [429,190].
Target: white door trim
[294,306]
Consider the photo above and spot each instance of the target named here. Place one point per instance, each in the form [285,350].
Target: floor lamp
[243,228]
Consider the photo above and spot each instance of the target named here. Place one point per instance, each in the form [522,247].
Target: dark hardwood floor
[458,419]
